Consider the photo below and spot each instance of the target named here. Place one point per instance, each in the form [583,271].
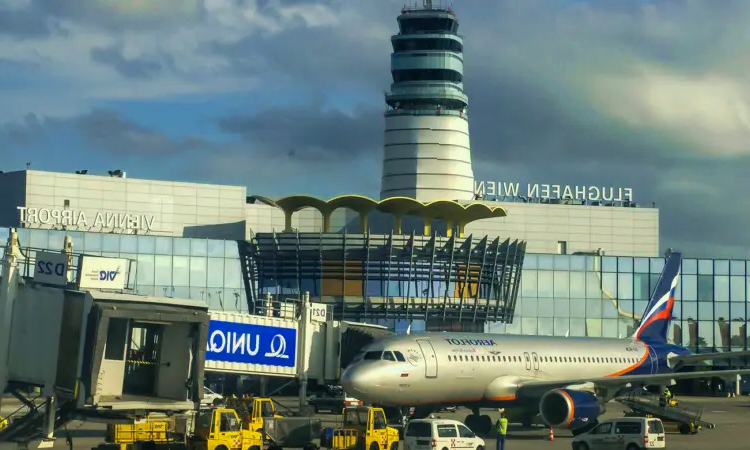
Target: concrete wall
[170,208]
[617,230]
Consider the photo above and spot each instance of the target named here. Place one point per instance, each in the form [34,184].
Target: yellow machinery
[3,423]
[158,429]
[253,411]
[213,429]
[364,428]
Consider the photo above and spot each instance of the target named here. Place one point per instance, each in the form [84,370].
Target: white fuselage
[462,368]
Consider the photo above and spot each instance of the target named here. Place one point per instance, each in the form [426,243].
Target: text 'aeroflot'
[565,380]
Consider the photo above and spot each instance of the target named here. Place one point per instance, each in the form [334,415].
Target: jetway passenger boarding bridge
[93,350]
[97,352]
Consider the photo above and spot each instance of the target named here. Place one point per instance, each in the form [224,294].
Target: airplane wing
[534,386]
[690,359]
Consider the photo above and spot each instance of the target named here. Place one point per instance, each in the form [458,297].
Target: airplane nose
[355,381]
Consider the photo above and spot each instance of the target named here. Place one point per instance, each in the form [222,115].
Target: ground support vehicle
[323,402]
[631,433]
[361,428]
[686,418]
[259,414]
[292,432]
[253,410]
[214,429]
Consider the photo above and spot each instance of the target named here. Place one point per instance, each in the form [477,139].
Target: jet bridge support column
[302,358]
[49,418]
[8,290]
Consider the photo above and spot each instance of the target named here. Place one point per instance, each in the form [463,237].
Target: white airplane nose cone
[354,380]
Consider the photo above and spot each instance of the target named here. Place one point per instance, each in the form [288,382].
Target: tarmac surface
[730,415]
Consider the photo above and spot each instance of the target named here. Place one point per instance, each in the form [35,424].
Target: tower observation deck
[427,155]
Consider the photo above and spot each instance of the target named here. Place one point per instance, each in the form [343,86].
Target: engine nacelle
[565,408]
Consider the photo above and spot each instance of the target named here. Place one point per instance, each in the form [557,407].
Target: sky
[286,96]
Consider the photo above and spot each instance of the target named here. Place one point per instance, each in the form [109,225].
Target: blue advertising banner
[251,344]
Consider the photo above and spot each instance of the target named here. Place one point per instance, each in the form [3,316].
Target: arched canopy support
[452,212]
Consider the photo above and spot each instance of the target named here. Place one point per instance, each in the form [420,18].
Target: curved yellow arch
[451,211]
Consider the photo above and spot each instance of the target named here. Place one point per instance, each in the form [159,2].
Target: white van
[440,434]
[628,433]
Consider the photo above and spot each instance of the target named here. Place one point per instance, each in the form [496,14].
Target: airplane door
[528,360]
[430,360]
[535,357]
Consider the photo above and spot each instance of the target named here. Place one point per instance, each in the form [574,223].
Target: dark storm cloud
[308,133]
[102,130]
[130,68]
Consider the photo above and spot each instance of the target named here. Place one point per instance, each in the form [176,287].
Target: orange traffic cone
[551,434]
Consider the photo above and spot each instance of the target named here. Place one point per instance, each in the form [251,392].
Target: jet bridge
[94,355]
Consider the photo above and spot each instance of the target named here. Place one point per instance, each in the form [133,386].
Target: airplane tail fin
[654,324]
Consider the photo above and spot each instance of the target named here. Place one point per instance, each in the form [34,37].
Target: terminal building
[439,250]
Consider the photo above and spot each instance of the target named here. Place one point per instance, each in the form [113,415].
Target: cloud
[129,68]
[307,133]
[103,130]
[648,94]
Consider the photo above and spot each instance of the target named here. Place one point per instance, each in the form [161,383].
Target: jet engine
[565,408]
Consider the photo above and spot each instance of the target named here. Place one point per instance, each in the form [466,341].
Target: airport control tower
[426,151]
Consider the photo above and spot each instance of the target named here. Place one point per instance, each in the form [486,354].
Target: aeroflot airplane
[566,380]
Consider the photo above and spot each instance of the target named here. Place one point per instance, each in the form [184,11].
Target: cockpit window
[399,357]
[373,355]
[388,356]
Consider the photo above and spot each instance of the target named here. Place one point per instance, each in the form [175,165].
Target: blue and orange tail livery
[655,322]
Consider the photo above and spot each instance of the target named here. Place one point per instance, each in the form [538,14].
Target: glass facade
[201,269]
[380,276]
[603,296]
[596,296]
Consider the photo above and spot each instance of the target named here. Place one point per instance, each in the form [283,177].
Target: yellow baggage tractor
[364,428]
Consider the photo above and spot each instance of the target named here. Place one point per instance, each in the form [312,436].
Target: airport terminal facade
[183,251]
[575,295]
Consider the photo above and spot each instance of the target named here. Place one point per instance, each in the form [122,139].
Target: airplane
[567,381]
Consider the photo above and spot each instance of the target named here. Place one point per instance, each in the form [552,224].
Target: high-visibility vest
[501,426]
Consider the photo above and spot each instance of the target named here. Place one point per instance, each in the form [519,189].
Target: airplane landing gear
[480,424]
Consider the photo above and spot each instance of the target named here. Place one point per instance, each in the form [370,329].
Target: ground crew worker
[501,428]
[666,396]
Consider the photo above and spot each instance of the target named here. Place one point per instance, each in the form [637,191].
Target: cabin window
[399,357]
[482,358]
[373,355]
[388,356]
